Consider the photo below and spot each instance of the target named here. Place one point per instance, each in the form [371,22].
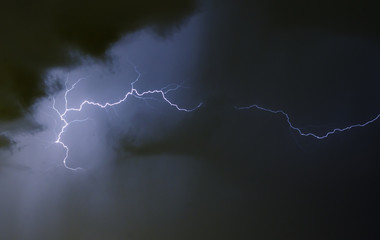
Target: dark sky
[152,172]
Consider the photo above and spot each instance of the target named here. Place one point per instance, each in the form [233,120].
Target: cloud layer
[41,34]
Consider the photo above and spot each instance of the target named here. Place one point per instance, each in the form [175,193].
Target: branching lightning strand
[133,92]
[327,134]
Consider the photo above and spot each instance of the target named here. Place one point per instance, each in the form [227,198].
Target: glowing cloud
[133,92]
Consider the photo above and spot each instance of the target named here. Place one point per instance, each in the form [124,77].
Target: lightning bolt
[291,125]
[133,92]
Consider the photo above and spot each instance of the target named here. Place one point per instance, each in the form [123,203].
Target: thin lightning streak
[310,134]
[132,92]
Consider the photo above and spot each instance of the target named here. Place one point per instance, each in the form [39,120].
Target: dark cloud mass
[282,53]
[152,172]
[4,142]
[338,16]
[40,34]
[317,60]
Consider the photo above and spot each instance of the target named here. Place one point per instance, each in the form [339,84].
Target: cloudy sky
[151,171]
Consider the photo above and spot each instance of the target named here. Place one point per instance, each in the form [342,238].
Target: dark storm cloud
[293,55]
[194,136]
[4,141]
[218,173]
[317,60]
[191,138]
[337,16]
[41,34]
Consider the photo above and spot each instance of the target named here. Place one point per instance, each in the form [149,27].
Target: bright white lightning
[133,92]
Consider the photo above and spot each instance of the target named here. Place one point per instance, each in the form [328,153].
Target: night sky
[149,171]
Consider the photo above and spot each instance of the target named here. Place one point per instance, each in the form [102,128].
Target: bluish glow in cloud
[161,61]
[32,171]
